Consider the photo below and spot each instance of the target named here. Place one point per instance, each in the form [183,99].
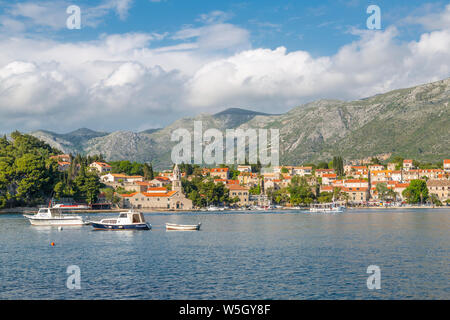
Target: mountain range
[412,122]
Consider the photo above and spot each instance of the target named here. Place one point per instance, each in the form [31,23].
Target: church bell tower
[176,182]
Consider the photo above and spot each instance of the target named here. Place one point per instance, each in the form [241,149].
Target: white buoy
[60,228]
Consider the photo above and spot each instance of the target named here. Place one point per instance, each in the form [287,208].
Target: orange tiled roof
[402,185]
[119,175]
[128,195]
[355,181]
[143,183]
[157,189]
[166,194]
[219,170]
[162,178]
[102,164]
[236,187]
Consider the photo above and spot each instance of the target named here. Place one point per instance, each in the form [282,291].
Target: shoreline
[22,210]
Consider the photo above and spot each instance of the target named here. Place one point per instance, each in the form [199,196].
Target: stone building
[160,197]
[239,191]
[441,188]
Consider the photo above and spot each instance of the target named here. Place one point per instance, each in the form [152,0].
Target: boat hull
[56,221]
[340,210]
[175,227]
[136,226]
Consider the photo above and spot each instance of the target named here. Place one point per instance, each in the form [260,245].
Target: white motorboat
[326,208]
[214,208]
[128,220]
[53,217]
[182,227]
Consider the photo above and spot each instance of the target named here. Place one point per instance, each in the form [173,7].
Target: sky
[141,64]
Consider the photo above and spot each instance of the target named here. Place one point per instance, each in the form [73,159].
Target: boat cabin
[324,205]
[130,217]
[49,212]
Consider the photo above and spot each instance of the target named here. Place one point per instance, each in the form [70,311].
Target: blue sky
[142,64]
[321,27]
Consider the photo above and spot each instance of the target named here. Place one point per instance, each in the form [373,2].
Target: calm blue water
[281,255]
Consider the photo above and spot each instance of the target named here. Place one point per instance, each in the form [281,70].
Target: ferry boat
[53,217]
[128,220]
[182,227]
[326,207]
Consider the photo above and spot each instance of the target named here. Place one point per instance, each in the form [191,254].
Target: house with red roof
[221,173]
[100,167]
[447,165]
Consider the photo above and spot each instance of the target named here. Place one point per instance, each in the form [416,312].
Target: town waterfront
[237,255]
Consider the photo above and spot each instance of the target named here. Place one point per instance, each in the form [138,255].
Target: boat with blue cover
[128,220]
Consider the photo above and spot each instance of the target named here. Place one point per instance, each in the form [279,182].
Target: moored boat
[128,220]
[66,206]
[182,227]
[326,208]
[53,217]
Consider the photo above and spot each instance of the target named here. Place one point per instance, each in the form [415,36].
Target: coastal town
[369,183]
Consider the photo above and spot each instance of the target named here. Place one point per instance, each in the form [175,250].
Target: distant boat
[128,220]
[63,206]
[214,208]
[326,207]
[182,227]
[53,217]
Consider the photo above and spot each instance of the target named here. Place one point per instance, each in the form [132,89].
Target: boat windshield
[55,212]
[136,218]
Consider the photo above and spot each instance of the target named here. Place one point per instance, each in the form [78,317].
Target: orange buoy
[53,244]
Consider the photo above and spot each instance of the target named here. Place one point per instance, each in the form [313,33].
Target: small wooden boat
[182,227]
[129,220]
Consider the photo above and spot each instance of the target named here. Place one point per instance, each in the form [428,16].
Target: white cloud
[26,89]
[127,81]
[274,79]
[52,14]
[216,16]
[431,21]
[221,36]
